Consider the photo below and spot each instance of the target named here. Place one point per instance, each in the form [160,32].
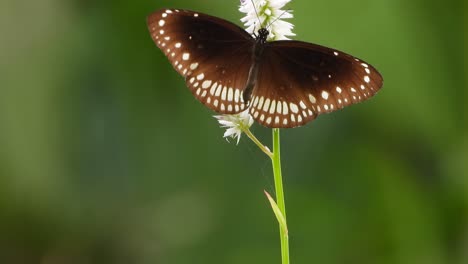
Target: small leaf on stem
[279,215]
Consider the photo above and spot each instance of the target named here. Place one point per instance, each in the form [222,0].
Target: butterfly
[283,84]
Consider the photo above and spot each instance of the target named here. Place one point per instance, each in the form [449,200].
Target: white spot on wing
[266,105]
[161,22]
[213,88]
[260,103]
[302,105]
[278,107]
[185,56]
[193,66]
[312,99]
[293,107]
[325,95]
[255,101]
[230,94]
[206,84]
[218,91]
[273,107]
[285,108]
[223,94]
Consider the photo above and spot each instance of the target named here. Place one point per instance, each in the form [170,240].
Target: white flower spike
[268,11]
[235,124]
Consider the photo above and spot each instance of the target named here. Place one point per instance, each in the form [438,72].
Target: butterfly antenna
[256,12]
[271,23]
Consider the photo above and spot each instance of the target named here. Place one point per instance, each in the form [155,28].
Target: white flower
[268,11]
[235,124]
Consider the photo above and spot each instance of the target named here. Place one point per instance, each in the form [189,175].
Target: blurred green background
[105,156]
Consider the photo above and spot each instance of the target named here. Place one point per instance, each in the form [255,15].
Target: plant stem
[258,143]
[276,162]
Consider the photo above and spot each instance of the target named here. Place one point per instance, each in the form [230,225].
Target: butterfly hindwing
[298,81]
[212,54]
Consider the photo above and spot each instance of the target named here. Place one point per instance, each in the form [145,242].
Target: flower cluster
[268,14]
[235,124]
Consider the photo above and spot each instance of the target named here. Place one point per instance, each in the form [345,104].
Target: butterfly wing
[298,81]
[212,54]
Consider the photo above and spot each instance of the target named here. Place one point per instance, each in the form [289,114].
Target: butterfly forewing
[298,81]
[212,54]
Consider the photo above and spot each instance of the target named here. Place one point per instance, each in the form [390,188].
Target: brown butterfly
[283,83]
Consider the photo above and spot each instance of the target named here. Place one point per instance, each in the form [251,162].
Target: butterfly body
[281,83]
[257,53]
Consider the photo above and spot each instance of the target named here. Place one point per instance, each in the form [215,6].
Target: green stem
[258,143]
[276,162]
